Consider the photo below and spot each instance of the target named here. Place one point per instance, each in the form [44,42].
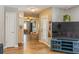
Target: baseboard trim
[9,47]
[44,43]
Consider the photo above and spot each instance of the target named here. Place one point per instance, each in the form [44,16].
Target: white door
[10,30]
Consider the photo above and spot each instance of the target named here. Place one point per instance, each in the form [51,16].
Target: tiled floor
[33,47]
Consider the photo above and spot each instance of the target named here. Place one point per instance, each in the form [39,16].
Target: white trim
[16,45]
[13,46]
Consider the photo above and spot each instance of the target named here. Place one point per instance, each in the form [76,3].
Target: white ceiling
[24,8]
[64,6]
[40,7]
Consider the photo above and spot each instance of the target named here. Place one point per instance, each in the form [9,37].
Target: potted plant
[66,18]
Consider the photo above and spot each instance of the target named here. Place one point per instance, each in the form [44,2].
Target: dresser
[67,45]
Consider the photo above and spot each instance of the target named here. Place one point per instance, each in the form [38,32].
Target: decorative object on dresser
[66,18]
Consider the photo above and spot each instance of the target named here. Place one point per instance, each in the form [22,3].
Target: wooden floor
[33,47]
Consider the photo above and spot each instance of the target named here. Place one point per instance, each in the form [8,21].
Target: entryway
[33,32]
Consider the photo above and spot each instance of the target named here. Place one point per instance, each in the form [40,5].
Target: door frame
[5,28]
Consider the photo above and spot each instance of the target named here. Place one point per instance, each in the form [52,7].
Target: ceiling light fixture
[32,9]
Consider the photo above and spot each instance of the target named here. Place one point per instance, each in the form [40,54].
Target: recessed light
[33,9]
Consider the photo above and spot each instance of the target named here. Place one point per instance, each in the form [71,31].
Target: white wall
[74,13]
[45,17]
[44,28]
[1,24]
[57,14]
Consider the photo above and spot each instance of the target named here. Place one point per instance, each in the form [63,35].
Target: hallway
[33,47]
